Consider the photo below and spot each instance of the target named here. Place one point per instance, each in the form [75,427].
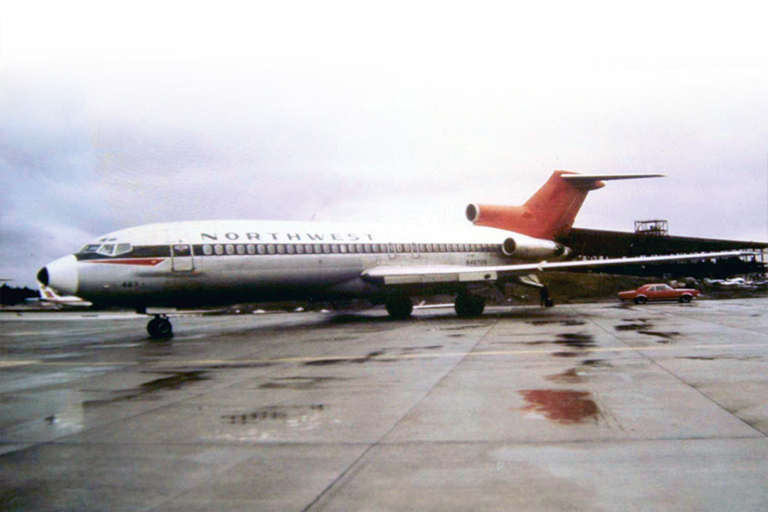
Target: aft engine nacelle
[527,248]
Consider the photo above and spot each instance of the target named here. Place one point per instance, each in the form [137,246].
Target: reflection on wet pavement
[562,406]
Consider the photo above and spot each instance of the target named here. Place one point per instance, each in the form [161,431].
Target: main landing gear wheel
[469,306]
[160,328]
[399,306]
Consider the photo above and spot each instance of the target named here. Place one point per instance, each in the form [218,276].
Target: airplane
[48,294]
[211,263]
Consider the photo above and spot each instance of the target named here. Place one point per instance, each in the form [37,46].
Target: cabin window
[335,248]
[309,248]
[219,249]
[262,249]
[280,249]
[342,249]
[230,249]
[352,248]
[182,250]
[271,249]
[327,248]
[251,249]
[290,249]
[383,248]
[241,249]
[299,249]
[207,250]
[399,247]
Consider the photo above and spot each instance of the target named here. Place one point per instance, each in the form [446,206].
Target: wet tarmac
[597,407]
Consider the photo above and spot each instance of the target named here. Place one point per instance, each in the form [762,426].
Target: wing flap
[429,274]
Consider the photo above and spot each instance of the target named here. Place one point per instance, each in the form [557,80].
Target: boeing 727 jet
[188,264]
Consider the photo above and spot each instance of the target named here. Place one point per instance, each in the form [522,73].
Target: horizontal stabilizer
[588,180]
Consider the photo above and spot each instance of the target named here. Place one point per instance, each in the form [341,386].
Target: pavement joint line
[660,364]
[409,442]
[357,466]
[483,353]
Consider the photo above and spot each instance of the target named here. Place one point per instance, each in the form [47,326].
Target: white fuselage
[220,262]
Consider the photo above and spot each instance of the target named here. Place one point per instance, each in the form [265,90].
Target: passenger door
[182,257]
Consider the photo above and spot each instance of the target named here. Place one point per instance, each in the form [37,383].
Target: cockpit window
[122,249]
[107,249]
[90,248]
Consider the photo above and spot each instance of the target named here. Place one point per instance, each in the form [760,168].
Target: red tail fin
[551,211]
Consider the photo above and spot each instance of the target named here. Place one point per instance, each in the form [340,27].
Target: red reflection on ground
[561,406]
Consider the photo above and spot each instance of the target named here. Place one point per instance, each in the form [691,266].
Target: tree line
[11,296]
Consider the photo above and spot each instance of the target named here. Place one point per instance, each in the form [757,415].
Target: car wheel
[685,299]
[641,300]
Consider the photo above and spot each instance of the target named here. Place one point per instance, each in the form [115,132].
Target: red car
[659,291]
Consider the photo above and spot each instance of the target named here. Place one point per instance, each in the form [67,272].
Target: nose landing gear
[160,328]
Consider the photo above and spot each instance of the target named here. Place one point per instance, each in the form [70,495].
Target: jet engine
[527,248]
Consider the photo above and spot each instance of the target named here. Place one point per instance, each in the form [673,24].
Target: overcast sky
[121,113]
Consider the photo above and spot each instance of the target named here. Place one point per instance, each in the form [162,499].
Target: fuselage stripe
[149,262]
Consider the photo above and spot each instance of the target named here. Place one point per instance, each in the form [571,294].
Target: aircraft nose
[61,275]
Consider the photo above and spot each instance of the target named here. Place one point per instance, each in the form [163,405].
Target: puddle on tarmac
[175,381]
[332,338]
[463,327]
[568,322]
[631,327]
[576,340]
[414,349]
[305,417]
[566,407]
[644,326]
[299,383]
[571,376]
[371,356]
[666,337]
[596,363]
[567,354]
[634,324]
[239,366]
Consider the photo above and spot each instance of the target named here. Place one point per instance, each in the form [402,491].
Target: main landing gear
[160,328]
[399,306]
[469,306]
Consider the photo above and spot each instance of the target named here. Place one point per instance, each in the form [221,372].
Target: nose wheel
[160,328]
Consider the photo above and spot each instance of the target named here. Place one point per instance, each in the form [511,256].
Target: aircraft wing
[431,274]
